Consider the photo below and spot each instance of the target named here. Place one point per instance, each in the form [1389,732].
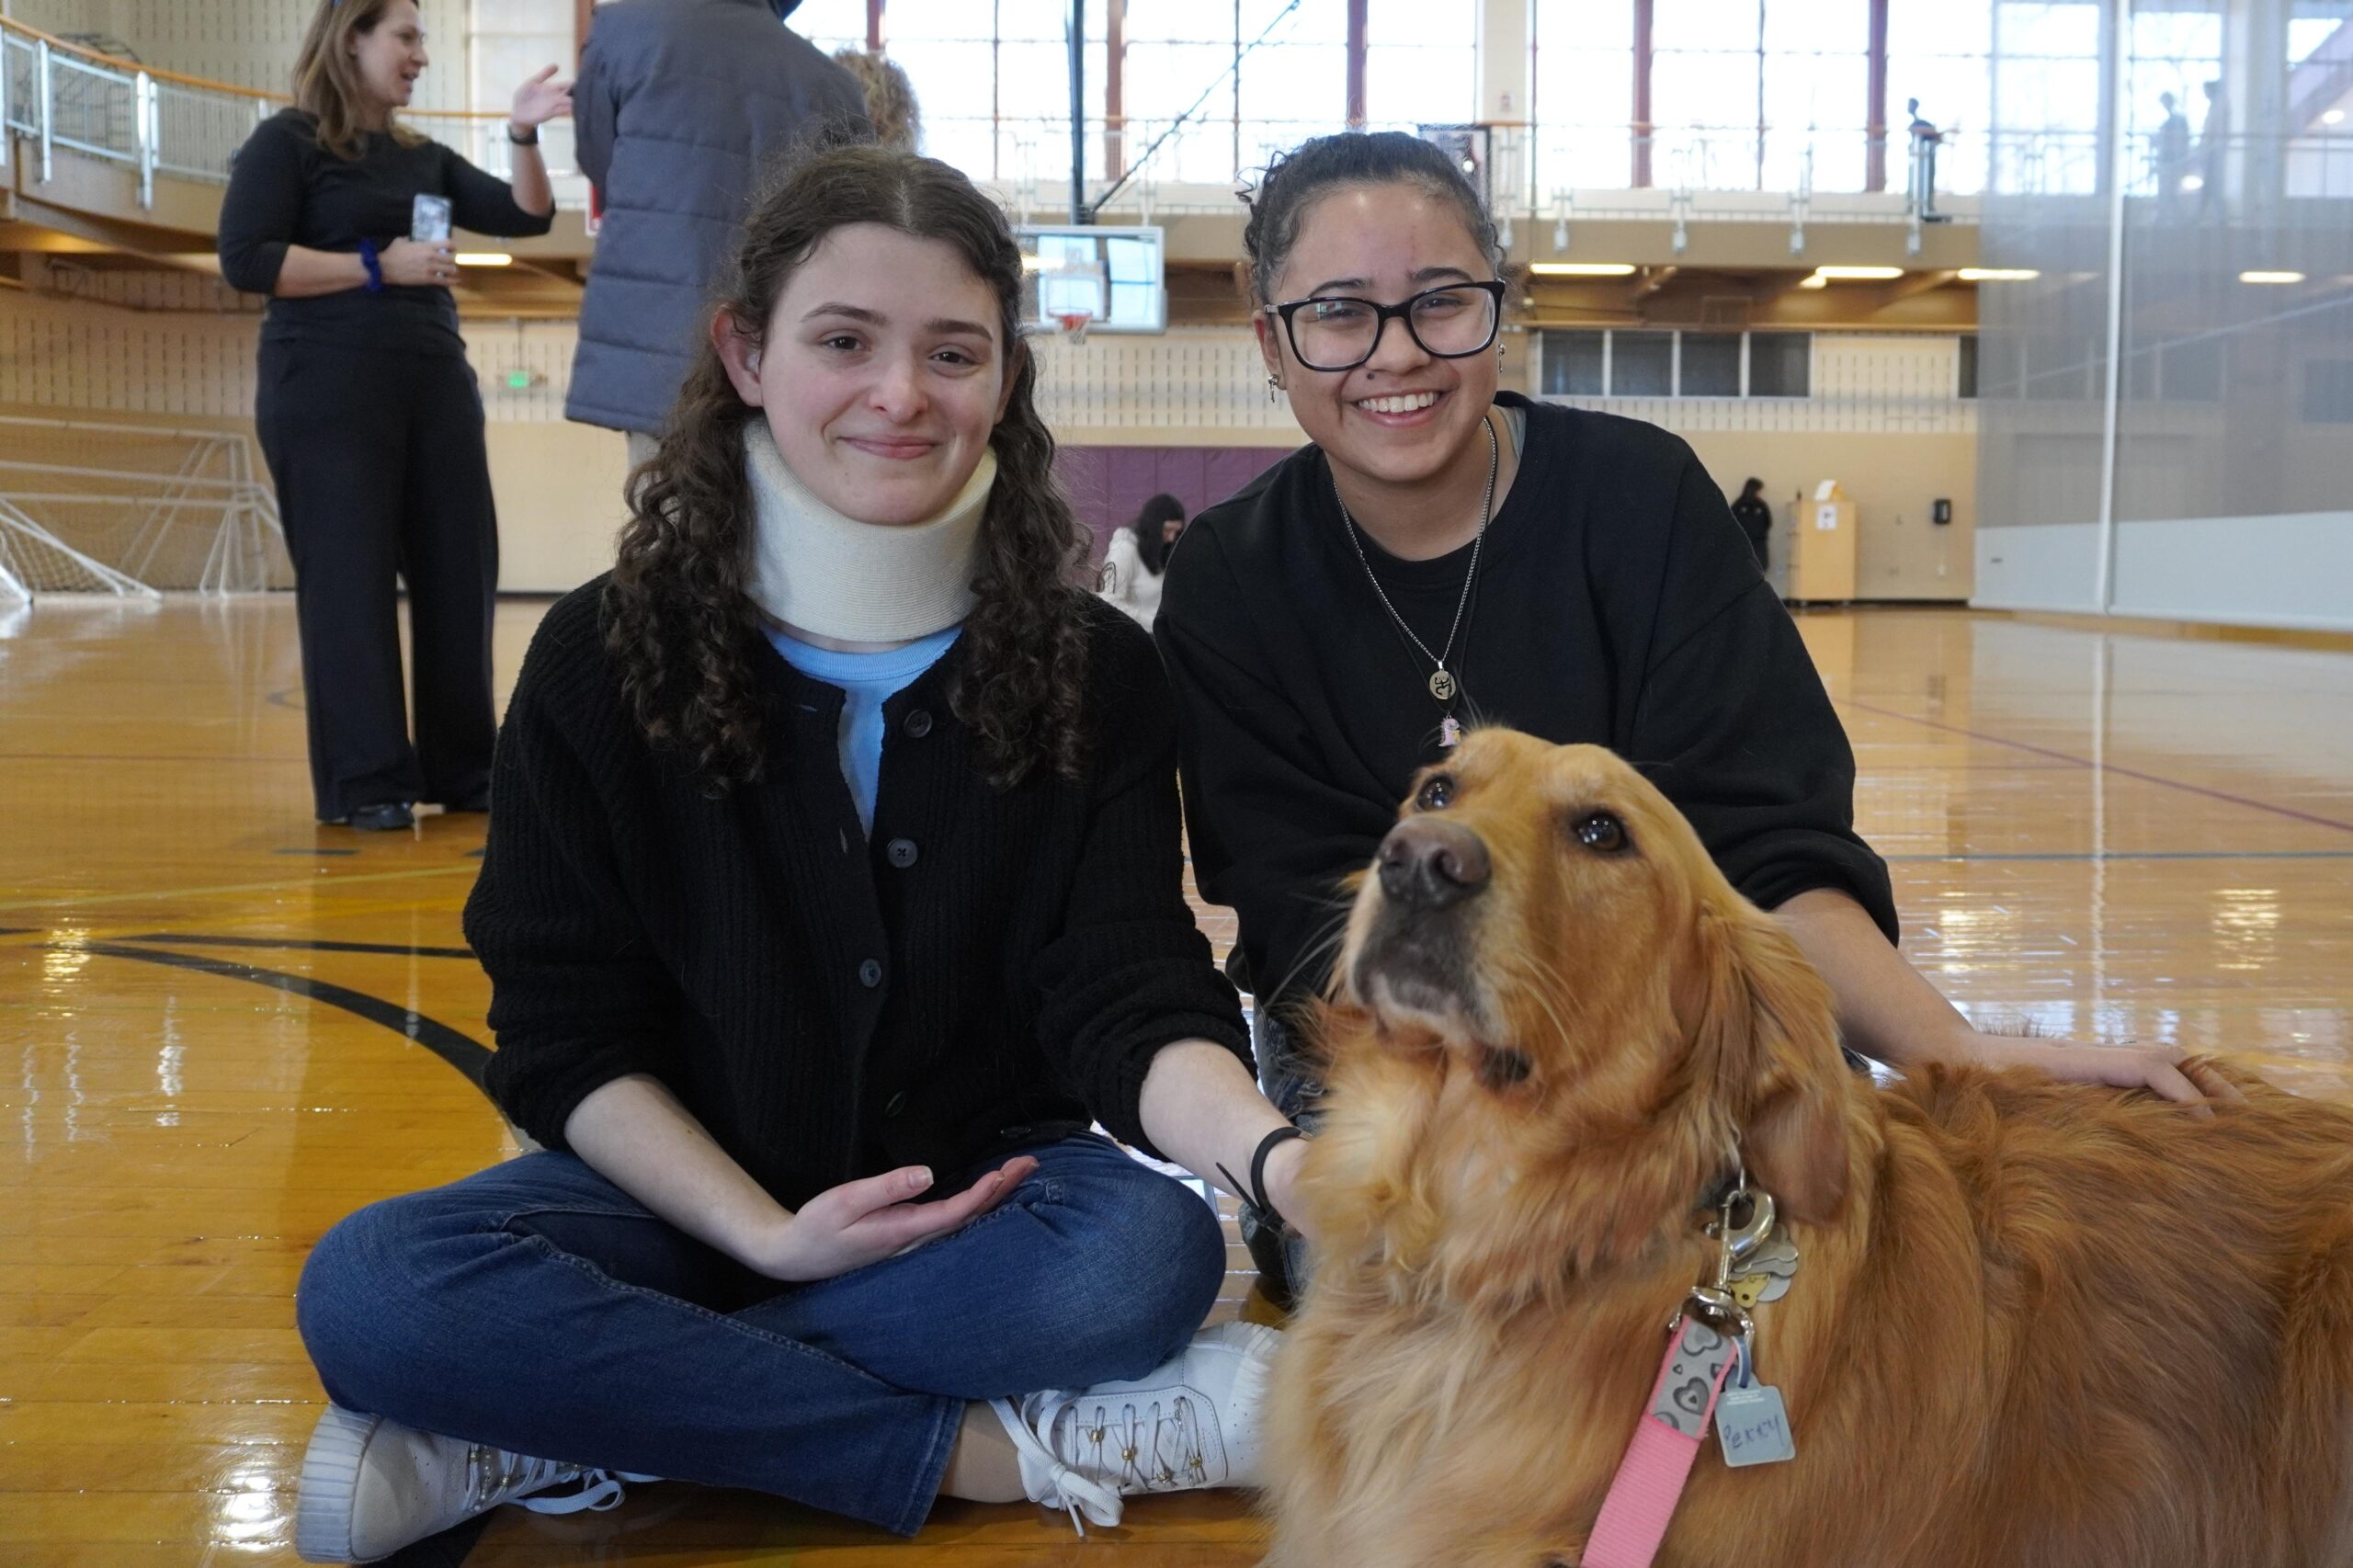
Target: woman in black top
[1441,555]
[835,869]
[368,413]
[1755,515]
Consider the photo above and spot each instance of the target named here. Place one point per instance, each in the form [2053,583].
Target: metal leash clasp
[1743,1225]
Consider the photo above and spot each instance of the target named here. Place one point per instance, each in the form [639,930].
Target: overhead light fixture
[2271,278]
[2193,182]
[1857,273]
[1581,269]
[1816,281]
[1998,274]
[2334,116]
[1032,263]
[485,258]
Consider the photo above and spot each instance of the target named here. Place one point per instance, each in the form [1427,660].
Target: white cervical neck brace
[817,570]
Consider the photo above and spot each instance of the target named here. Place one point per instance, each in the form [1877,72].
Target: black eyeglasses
[1336,332]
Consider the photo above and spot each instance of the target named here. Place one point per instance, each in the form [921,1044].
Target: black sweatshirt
[1616,603]
[992,969]
[284,188]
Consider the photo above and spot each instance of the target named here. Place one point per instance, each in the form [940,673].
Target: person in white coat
[1137,557]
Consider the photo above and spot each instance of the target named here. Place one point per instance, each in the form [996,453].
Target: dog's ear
[1776,1049]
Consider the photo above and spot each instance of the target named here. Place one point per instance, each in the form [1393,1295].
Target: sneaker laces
[504,1477]
[1121,1451]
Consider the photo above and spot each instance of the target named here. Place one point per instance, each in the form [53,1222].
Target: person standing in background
[1138,556]
[891,105]
[1924,139]
[1755,515]
[368,413]
[2170,156]
[679,105]
[2214,139]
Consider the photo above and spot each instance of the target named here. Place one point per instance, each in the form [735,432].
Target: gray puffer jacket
[678,106]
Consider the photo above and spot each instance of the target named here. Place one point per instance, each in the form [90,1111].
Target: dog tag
[1753,1427]
[1777,1256]
[1753,1289]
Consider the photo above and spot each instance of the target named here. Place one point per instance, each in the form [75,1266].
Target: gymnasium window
[1583,84]
[1574,363]
[1709,365]
[1656,363]
[1780,364]
[1421,66]
[1641,364]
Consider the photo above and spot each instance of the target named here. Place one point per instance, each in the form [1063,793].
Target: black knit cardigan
[991,968]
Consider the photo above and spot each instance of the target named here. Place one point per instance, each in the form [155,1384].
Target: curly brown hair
[676,618]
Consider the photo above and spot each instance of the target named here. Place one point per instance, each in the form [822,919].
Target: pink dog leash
[1651,1478]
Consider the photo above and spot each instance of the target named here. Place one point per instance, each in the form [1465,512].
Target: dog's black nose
[1431,863]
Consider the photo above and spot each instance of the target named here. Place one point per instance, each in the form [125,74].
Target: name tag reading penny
[1753,1426]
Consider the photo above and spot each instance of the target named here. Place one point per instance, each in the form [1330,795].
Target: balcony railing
[54,95]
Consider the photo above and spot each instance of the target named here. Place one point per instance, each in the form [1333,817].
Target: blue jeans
[538,1308]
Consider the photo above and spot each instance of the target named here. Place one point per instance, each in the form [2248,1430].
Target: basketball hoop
[1073,325]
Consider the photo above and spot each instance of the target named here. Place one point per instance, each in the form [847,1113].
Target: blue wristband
[375,269]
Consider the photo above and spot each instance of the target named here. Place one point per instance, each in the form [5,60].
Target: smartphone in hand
[429,218]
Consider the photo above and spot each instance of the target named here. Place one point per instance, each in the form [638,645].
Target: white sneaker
[1190,1424]
[371,1486]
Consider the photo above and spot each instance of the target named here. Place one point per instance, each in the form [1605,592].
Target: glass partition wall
[2166,380]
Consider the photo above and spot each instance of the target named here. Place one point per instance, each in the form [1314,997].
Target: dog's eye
[1602,834]
[1436,793]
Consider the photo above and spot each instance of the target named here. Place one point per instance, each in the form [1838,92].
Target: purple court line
[2109,767]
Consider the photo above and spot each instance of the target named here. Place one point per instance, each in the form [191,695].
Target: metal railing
[54,95]
[95,506]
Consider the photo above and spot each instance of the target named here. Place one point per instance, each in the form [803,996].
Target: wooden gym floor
[221,1027]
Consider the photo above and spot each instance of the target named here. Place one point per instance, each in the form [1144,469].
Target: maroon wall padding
[1109,484]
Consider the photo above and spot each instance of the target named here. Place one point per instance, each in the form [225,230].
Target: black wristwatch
[531,141]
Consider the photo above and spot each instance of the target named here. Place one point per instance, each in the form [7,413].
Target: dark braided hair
[1292,184]
[676,618]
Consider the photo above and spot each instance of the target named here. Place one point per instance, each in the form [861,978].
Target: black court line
[296,944]
[2121,772]
[467,1055]
[314,852]
[18,930]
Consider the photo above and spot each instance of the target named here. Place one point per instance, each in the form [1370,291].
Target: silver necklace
[1443,684]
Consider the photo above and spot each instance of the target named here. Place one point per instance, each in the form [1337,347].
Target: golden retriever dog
[2033,1324]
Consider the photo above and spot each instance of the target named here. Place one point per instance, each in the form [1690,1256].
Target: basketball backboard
[1117,277]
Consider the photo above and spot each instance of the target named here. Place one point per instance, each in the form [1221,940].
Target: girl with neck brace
[833,889]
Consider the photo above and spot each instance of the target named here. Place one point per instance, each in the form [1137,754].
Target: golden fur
[2036,1326]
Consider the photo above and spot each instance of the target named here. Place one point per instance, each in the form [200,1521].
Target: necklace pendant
[1449,734]
[1442,685]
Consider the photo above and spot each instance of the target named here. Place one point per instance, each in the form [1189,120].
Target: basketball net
[1073,325]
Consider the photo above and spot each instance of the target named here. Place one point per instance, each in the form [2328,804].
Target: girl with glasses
[1442,554]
